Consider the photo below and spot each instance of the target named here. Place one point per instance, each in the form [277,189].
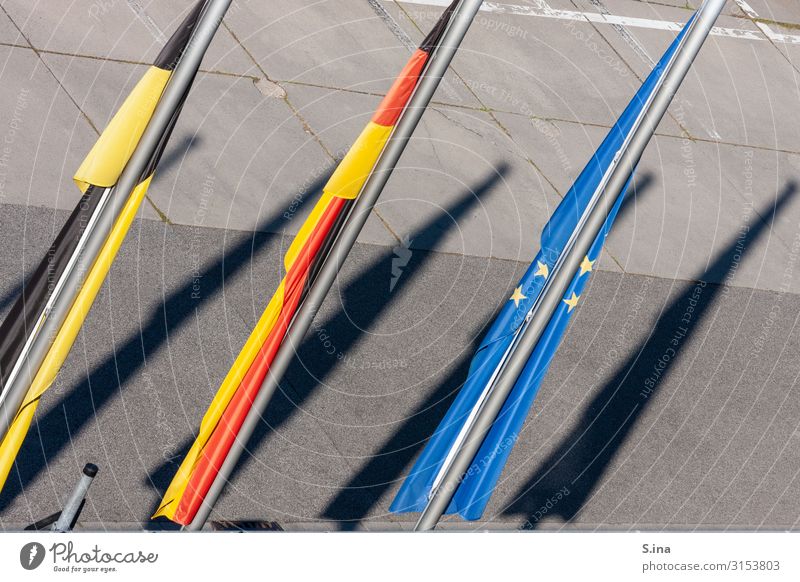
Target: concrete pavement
[642,432]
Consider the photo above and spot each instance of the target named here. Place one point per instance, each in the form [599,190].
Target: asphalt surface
[673,400]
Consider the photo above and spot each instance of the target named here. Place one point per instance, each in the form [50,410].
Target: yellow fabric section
[356,166]
[106,160]
[221,400]
[68,332]
[346,181]
[305,231]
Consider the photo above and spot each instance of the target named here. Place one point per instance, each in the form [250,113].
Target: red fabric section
[395,101]
[218,446]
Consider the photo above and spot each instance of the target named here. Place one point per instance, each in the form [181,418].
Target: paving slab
[320,44]
[127,30]
[658,11]
[454,151]
[530,73]
[688,465]
[44,135]
[778,10]
[693,212]
[738,90]
[133,408]
[8,32]
[671,404]
[690,199]
[236,156]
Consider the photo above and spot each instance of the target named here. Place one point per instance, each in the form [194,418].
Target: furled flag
[308,251]
[475,489]
[96,179]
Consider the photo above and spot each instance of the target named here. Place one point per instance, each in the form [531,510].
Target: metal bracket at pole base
[65,520]
[72,510]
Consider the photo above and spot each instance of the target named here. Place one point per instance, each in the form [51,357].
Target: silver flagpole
[439,61]
[171,98]
[557,284]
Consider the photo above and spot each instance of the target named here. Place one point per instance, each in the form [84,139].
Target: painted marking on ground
[541,9]
[768,32]
[148,22]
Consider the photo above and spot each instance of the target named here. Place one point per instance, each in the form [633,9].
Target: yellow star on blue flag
[517,296]
[572,302]
[586,265]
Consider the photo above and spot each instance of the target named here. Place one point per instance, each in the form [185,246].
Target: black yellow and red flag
[308,251]
[96,179]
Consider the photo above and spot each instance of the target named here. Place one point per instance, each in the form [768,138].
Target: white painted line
[768,32]
[148,22]
[541,9]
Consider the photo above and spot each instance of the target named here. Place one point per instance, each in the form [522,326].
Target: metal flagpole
[171,99]
[557,284]
[36,327]
[440,60]
[75,502]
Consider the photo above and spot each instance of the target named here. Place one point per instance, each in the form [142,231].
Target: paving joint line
[522,263]
[140,63]
[487,110]
[387,225]
[550,119]
[296,112]
[49,70]
[628,37]
[305,125]
[219,72]
[13,45]
[665,5]
[161,214]
[765,29]
[369,93]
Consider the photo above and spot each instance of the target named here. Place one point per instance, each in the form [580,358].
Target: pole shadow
[175,154]
[369,297]
[385,467]
[57,427]
[583,456]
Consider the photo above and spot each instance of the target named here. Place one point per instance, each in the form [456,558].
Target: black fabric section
[322,255]
[172,51]
[435,35]
[162,143]
[25,312]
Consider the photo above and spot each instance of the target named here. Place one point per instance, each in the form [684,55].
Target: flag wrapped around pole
[462,482]
[96,176]
[47,295]
[308,251]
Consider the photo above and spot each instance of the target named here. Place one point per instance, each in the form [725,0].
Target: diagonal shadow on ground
[386,466]
[368,297]
[581,459]
[80,403]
